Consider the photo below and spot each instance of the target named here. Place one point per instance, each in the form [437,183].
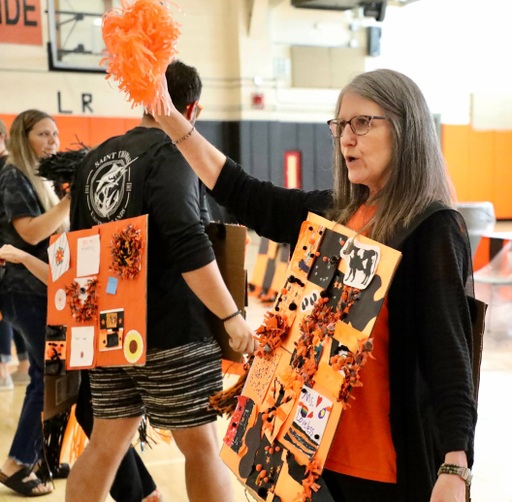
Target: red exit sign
[20,22]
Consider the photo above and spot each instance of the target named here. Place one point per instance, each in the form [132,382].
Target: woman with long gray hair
[408,434]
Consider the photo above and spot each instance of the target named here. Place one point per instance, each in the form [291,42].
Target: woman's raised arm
[203,157]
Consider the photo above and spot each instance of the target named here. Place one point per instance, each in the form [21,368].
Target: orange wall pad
[87,130]
[478,162]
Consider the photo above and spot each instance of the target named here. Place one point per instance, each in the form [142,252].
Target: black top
[141,172]
[431,391]
[17,200]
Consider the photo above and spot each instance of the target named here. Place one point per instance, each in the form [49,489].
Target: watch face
[466,474]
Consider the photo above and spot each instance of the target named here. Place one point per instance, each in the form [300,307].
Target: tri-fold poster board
[314,340]
[97,296]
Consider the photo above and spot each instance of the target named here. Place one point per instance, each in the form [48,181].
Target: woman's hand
[12,254]
[163,105]
[449,488]
[34,265]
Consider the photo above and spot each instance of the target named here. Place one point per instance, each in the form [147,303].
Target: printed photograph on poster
[111,329]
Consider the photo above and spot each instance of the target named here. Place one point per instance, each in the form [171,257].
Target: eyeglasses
[360,125]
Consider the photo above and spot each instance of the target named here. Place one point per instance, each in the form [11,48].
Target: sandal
[16,483]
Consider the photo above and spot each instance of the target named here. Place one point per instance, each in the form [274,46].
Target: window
[75,40]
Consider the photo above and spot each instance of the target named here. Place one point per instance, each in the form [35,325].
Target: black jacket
[141,172]
[432,409]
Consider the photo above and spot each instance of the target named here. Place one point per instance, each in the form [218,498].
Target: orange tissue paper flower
[140,39]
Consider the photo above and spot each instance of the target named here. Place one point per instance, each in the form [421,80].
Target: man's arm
[207,283]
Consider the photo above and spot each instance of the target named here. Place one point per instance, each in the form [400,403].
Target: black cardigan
[432,409]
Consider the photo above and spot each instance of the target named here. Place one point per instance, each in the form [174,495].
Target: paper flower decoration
[140,39]
[126,250]
[83,309]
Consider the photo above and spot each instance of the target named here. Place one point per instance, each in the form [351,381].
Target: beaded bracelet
[234,314]
[184,137]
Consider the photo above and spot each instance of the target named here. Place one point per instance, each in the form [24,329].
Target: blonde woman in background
[7,334]
[29,213]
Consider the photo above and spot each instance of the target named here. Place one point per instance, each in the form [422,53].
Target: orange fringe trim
[224,402]
[141,42]
[351,365]
[314,328]
[313,472]
[271,333]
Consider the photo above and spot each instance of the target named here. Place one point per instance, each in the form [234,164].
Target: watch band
[463,472]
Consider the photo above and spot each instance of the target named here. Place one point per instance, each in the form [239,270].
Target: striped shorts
[172,389]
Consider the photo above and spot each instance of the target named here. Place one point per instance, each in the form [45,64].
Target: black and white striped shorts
[172,389]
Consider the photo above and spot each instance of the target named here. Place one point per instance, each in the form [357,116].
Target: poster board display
[313,342]
[97,296]
[228,242]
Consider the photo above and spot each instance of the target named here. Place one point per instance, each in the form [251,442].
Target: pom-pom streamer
[60,168]
[141,42]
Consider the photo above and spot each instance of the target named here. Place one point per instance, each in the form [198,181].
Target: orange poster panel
[313,343]
[97,295]
[20,22]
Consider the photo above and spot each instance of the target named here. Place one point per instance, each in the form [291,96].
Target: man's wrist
[231,316]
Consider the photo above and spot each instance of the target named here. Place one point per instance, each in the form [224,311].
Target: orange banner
[20,22]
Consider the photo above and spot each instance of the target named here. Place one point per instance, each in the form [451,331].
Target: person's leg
[5,356]
[175,385]
[147,482]
[27,314]
[20,376]
[206,476]
[93,473]
[5,341]
[132,481]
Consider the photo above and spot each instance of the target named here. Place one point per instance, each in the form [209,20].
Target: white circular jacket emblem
[108,187]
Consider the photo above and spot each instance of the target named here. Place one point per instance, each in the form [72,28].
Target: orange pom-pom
[141,42]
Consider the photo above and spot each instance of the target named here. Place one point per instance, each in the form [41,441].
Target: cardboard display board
[97,296]
[228,243]
[314,341]
[60,392]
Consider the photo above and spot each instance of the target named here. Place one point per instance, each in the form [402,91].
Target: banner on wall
[97,297]
[20,22]
[313,342]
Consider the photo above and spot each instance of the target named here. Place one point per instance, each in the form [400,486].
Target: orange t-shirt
[363,446]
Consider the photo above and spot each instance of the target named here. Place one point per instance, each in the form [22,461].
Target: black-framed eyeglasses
[360,125]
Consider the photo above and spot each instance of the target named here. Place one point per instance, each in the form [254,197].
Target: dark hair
[184,84]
